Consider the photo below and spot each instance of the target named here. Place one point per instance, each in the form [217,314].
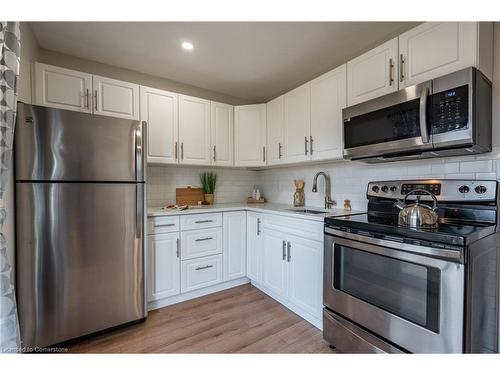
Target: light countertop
[271,208]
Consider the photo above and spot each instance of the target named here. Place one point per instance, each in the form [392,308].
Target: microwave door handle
[424,132]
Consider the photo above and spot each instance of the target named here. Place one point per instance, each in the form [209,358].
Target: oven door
[413,301]
[392,124]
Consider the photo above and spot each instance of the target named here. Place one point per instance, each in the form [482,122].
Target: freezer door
[80,259]
[58,145]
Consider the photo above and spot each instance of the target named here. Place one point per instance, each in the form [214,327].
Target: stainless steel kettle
[417,215]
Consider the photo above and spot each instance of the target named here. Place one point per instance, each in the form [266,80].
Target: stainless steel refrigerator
[80,198]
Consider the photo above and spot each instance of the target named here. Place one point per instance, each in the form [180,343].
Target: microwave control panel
[450,110]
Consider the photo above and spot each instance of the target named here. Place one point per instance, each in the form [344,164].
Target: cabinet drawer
[163,224]
[201,272]
[309,229]
[201,221]
[201,242]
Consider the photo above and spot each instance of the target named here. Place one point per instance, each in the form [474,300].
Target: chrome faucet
[328,200]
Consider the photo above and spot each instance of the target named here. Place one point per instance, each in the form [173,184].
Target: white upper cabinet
[275,131]
[297,123]
[250,135]
[433,49]
[115,98]
[63,88]
[235,245]
[328,98]
[194,130]
[373,74]
[159,109]
[222,133]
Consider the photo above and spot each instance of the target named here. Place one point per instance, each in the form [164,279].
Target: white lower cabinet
[293,267]
[201,272]
[234,226]
[163,266]
[197,254]
[305,259]
[274,262]
[254,246]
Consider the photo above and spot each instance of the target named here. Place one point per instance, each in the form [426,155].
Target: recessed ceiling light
[187,45]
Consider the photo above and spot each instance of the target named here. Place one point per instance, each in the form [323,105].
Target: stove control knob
[375,189]
[393,188]
[480,189]
[385,189]
[463,189]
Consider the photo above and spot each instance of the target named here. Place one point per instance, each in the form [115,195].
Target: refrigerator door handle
[139,167]
[139,211]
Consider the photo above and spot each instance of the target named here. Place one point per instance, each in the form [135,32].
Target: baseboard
[196,293]
[315,321]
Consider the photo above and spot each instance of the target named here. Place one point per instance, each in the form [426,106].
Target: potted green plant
[208,180]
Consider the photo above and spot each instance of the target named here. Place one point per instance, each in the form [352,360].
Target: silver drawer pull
[204,267]
[164,225]
[203,221]
[204,239]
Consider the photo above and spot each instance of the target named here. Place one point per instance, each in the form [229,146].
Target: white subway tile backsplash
[348,179]
[486,176]
[444,168]
[476,166]
[233,185]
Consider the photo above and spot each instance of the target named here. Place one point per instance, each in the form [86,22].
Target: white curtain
[10,46]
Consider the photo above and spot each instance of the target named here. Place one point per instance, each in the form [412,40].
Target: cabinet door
[305,287]
[254,246]
[436,48]
[250,135]
[234,245]
[275,131]
[298,124]
[159,109]
[221,124]
[373,74]
[62,88]
[115,98]
[328,98]
[194,130]
[274,262]
[163,266]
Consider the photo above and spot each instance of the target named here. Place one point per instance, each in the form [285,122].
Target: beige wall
[29,52]
[93,67]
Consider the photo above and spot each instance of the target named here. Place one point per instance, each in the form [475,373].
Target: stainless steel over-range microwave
[446,116]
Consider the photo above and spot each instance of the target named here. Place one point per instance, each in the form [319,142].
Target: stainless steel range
[391,288]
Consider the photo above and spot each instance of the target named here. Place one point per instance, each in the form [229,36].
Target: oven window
[406,289]
[388,124]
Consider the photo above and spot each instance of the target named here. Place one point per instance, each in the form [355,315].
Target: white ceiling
[254,61]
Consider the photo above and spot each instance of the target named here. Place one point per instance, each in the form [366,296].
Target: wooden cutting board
[189,196]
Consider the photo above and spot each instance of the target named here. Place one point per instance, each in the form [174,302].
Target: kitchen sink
[307,211]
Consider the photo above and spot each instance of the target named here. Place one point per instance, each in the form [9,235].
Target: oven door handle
[412,253]
[424,131]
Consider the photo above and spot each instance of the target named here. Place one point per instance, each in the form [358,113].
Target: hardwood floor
[237,320]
